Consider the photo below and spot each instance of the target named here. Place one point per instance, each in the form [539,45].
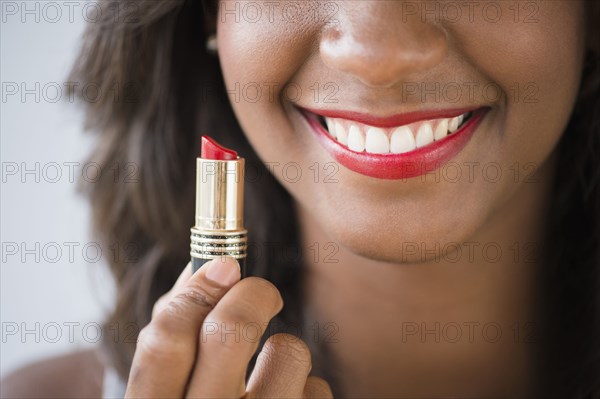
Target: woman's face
[391,78]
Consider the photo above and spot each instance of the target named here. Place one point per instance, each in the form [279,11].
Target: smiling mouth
[360,137]
[395,147]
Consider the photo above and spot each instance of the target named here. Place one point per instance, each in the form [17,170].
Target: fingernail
[224,270]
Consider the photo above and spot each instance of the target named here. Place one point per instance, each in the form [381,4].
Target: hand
[195,344]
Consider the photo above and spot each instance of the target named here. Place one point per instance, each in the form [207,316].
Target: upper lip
[393,120]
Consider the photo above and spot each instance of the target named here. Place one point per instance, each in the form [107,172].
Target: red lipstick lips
[396,166]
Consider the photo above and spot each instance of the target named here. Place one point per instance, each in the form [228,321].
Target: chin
[397,239]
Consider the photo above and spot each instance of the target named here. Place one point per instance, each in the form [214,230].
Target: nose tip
[380,52]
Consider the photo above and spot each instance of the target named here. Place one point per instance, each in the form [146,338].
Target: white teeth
[424,135]
[453,125]
[402,140]
[377,142]
[341,133]
[395,140]
[356,140]
[330,127]
[441,130]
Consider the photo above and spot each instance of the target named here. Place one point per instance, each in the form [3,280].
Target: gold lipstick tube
[219,226]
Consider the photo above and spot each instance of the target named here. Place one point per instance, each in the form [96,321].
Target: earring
[212,46]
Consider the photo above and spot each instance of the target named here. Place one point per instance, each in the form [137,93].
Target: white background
[53,304]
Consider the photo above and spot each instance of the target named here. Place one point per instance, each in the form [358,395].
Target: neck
[458,325]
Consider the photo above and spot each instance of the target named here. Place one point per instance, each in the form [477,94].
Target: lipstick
[219,226]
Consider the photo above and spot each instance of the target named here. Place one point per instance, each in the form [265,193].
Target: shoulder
[75,375]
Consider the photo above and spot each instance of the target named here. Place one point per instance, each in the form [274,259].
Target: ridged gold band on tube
[210,244]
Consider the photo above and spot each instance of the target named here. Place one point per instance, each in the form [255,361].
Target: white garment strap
[113,387]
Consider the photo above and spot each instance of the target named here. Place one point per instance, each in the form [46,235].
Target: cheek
[262,46]
[534,55]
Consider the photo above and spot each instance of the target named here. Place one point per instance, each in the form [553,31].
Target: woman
[474,272]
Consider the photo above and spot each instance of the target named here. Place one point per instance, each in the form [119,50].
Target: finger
[229,338]
[281,368]
[164,299]
[166,348]
[317,388]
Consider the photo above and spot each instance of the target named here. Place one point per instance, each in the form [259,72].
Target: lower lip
[399,166]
